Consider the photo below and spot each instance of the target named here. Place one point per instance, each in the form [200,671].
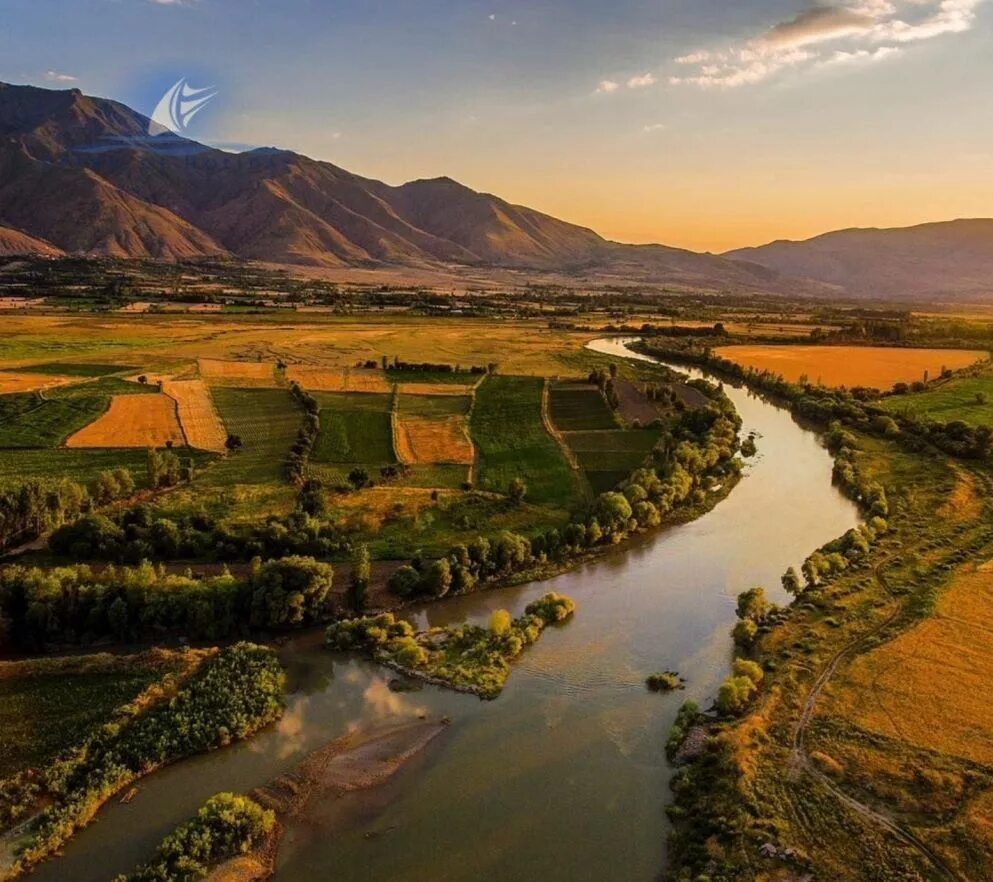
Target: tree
[359,583]
[500,622]
[117,618]
[752,604]
[234,442]
[358,478]
[438,578]
[517,490]
[792,583]
[404,581]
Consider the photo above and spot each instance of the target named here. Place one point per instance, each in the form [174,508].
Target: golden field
[237,373]
[320,379]
[198,416]
[874,366]
[427,441]
[25,382]
[928,687]
[133,421]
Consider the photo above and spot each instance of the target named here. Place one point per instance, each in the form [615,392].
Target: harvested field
[873,366]
[11,382]
[320,379]
[237,373]
[197,415]
[435,389]
[133,421]
[928,687]
[434,441]
[578,406]
[635,406]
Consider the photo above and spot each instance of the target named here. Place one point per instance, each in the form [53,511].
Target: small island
[467,658]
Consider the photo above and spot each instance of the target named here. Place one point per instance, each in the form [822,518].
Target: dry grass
[17,382]
[426,441]
[197,414]
[237,373]
[874,366]
[435,389]
[133,421]
[322,379]
[928,687]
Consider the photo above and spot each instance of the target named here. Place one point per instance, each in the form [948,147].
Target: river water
[564,777]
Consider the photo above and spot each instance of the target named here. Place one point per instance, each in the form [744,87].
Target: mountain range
[82,175]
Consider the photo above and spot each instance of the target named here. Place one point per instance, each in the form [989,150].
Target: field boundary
[546,418]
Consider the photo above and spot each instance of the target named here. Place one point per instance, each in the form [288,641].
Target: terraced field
[509,433]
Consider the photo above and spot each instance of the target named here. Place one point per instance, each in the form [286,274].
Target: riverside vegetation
[798,776]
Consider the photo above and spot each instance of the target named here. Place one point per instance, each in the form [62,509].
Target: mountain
[931,261]
[81,175]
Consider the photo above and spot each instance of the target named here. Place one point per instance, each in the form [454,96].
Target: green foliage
[468,658]
[226,826]
[685,720]
[232,695]
[664,681]
[356,431]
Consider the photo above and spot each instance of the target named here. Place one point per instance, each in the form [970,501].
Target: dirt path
[801,762]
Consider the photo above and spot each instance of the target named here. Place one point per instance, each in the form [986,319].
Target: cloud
[642,81]
[54,76]
[653,127]
[859,31]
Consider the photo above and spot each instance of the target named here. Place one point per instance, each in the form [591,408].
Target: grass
[77,465]
[954,400]
[47,707]
[510,436]
[75,369]
[459,378]
[356,431]
[267,421]
[577,407]
[873,366]
[433,406]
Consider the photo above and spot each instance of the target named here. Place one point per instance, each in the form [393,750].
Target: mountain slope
[951,259]
[82,174]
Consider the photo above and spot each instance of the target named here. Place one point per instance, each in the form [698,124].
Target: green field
[356,432]
[78,465]
[577,407]
[460,378]
[608,457]
[510,435]
[74,369]
[955,400]
[267,421]
[43,714]
[434,406]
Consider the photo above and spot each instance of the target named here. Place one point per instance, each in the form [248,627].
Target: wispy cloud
[653,127]
[859,31]
[54,76]
[639,81]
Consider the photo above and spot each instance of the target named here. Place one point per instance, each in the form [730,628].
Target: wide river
[564,777]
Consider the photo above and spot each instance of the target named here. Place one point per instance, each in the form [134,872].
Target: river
[564,777]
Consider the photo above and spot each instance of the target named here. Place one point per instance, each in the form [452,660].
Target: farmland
[508,430]
[237,373]
[609,456]
[969,399]
[579,406]
[133,421]
[851,366]
[201,424]
[318,379]
[266,421]
[356,432]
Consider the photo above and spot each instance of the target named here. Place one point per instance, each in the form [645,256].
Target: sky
[701,124]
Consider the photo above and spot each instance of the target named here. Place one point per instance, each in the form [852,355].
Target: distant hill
[951,260]
[81,174]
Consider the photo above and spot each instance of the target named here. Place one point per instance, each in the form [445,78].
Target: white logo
[178,106]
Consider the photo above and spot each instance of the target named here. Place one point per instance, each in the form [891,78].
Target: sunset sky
[708,124]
